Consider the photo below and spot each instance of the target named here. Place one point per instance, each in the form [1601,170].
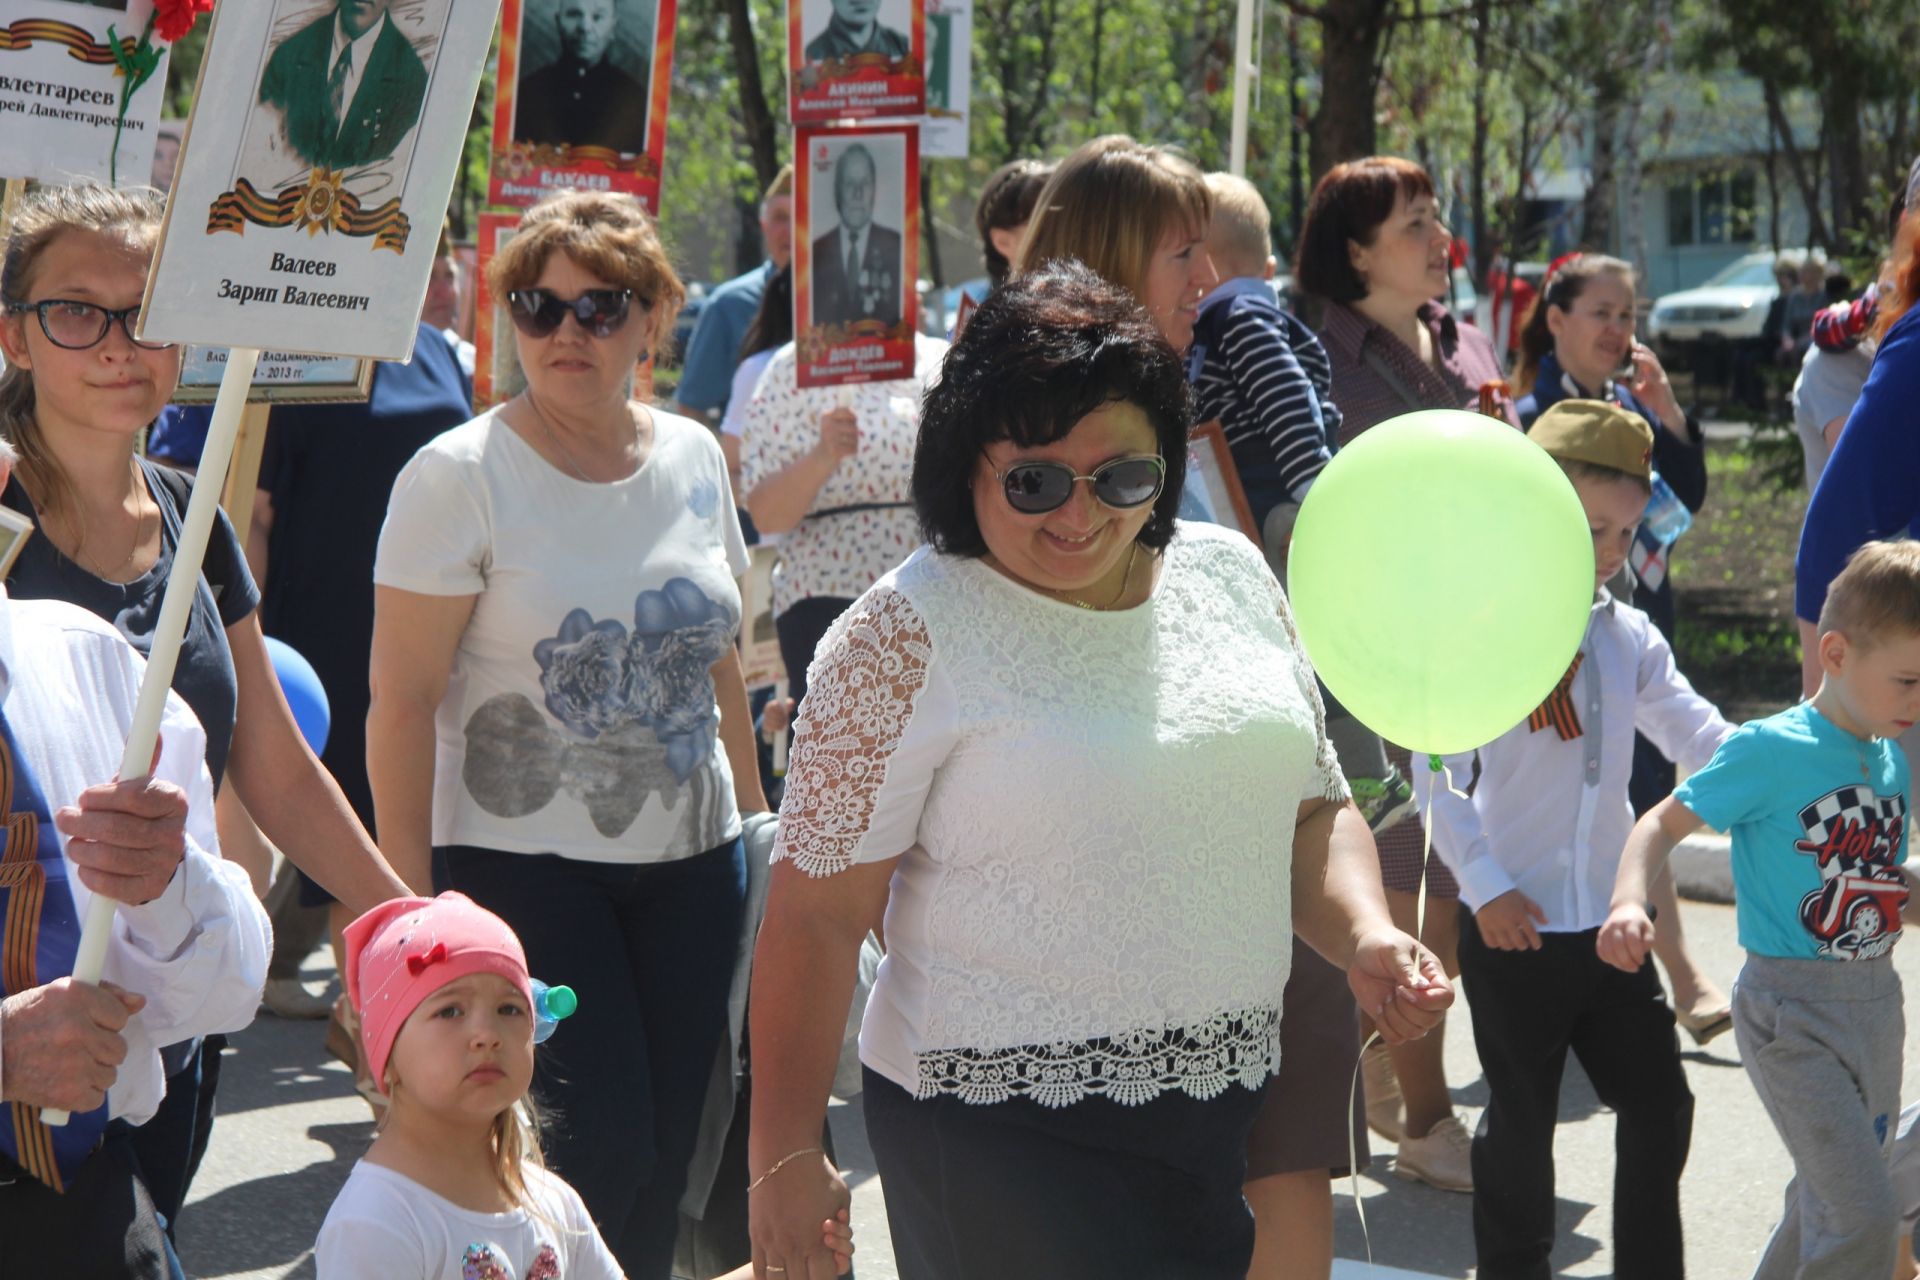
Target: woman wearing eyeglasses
[1073,749]
[76,394]
[559,723]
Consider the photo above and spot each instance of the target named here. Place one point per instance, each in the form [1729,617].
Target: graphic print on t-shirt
[637,709]
[482,1261]
[1854,836]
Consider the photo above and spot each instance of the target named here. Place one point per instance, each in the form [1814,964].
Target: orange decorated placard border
[520,173]
[816,345]
[866,86]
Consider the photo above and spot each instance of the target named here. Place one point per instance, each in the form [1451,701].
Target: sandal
[343,1042]
[1705,1026]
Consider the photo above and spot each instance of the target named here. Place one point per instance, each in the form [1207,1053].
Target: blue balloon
[301,684]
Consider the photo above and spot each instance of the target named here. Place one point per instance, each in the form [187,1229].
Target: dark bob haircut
[1038,356]
[1349,204]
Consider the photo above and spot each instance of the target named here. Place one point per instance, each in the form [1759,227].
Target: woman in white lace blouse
[1074,749]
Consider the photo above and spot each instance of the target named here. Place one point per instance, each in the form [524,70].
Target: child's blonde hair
[1241,228]
[1876,598]
[44,216]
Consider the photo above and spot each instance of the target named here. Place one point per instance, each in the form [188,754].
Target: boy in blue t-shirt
[1816,799]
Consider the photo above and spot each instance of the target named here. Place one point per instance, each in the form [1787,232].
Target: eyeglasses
[76,326]
[1035,488]
[601,312]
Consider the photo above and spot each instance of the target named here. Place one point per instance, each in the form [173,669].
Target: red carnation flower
[174,18]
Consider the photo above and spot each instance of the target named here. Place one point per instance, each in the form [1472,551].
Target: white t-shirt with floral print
[844,553]
[580,715]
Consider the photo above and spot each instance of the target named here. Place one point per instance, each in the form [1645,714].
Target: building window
[1713,209]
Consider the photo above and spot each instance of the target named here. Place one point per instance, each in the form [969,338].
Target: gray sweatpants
[1821,1040]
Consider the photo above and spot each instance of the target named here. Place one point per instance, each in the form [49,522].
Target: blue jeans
[649,950]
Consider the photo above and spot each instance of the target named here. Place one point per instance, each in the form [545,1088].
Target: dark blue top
[329,470]
[1871,487]
[204,676]
[713,353]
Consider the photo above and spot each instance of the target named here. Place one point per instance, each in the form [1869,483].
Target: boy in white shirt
[1534,850]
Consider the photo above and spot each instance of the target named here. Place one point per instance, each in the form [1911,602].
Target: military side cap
[1596,432]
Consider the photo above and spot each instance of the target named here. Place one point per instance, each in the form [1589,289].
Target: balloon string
[1437,766]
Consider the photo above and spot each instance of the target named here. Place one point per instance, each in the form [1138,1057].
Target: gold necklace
[554,440]
[78,533]
[1125,580]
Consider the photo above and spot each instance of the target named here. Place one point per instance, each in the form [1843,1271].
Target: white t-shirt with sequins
[385,1224]
[1093,813]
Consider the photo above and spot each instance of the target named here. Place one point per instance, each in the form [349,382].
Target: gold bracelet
[781,1163]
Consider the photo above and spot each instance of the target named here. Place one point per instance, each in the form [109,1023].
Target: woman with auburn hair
[1374,249]
[559,726]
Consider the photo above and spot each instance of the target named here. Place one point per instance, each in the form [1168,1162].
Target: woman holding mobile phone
[1578,343]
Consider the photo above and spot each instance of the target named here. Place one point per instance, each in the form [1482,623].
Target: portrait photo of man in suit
[582,97]
[348,86]
[856,266]
[855,27]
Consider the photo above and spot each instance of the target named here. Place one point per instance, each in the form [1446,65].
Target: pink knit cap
[406,949]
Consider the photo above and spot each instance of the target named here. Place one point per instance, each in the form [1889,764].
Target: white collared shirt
[853,245]
[357,69]
[198,952]
[1550,817]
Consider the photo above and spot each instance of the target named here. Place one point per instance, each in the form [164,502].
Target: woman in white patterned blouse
[1075,750]
[826,468]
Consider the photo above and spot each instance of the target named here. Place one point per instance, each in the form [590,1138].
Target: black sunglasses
[76,326]
[1035,488]
[601,312]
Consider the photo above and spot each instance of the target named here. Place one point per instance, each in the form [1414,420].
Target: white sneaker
[1386,1109]
[1443,1159]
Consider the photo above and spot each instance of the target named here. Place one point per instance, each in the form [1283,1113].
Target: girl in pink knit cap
[453,1187]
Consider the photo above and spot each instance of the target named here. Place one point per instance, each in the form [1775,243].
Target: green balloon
[1441,574]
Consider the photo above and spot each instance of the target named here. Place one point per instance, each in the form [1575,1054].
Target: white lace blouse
[1094,816]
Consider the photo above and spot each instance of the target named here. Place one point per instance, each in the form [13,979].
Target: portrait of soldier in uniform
[348,86]
[857,265]
[582,97]
[855,27]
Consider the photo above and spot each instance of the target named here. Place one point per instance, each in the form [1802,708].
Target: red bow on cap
[417,963]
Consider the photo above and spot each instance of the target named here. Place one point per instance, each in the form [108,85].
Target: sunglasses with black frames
[77,326]
[1035,488]
[539,312]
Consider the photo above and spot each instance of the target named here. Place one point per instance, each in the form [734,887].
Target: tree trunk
[1343,124]
[1296,174]
[1596,210]
[1477,198]
[756,118]
[930,265]
[1846,159]
[1631,168]
[1808,184]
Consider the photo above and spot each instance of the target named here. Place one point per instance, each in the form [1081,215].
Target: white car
[1731,306]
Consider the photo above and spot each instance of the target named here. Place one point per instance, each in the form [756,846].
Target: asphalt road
[291,1127]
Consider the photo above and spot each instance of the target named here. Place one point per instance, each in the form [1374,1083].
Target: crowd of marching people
[1112,889]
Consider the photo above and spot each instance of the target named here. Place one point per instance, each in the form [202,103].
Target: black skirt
[1095,1189]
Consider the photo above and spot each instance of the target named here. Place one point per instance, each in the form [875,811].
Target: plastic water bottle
[550,1005]
[1666,517]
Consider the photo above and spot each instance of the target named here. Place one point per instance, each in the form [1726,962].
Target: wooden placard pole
[243,477]
[10,197]
[182,583]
